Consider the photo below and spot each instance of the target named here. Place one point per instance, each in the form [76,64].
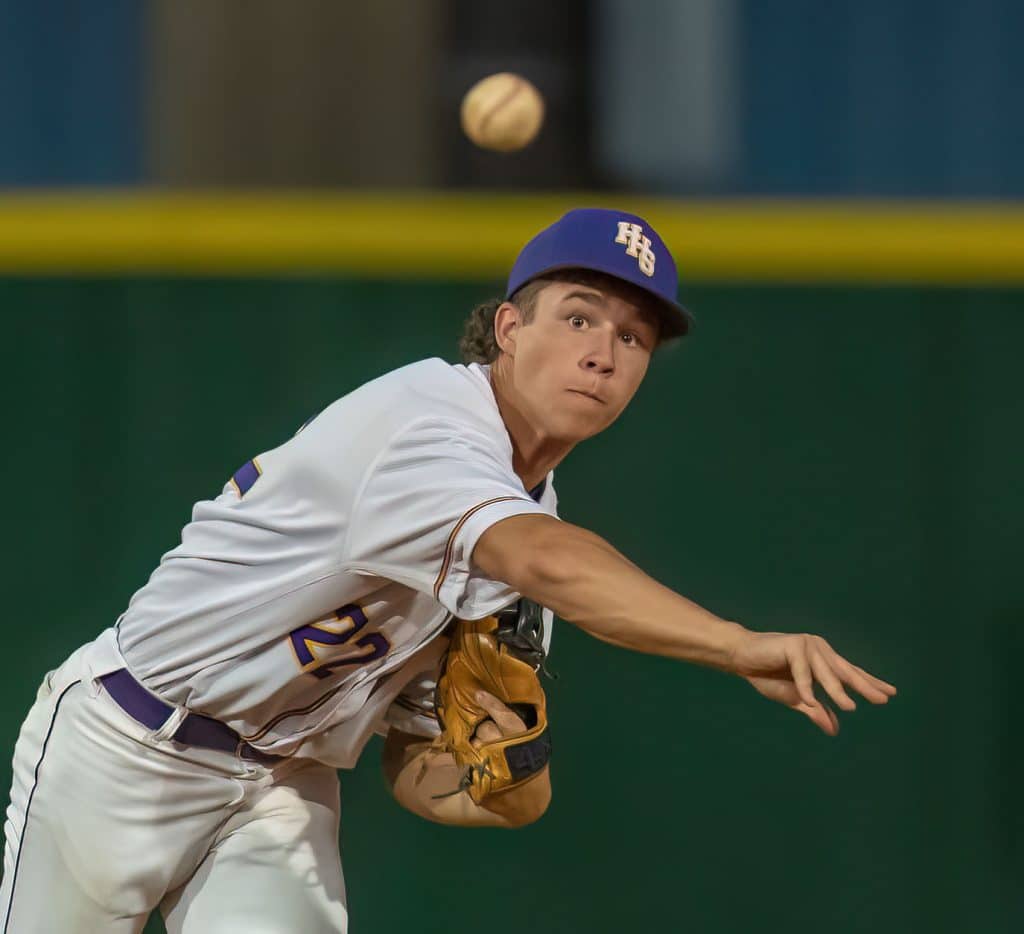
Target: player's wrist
[735,636]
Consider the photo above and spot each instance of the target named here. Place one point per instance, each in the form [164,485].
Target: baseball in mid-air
[503,112]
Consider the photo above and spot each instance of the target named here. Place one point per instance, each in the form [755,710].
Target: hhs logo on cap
[632,236]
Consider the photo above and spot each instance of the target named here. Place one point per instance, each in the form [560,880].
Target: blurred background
[217,216]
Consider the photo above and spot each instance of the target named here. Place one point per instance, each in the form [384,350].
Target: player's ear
[506,327]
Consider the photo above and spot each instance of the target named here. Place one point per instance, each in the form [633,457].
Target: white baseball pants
[108,821]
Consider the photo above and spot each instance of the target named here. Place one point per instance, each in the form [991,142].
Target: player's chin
[575,427]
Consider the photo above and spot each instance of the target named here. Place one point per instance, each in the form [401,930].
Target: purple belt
[195,729]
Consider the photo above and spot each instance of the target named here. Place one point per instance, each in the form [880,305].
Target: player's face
[581,358]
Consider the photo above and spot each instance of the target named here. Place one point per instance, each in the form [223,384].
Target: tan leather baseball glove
[501,655]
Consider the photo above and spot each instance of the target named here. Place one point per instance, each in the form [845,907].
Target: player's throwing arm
[587,582]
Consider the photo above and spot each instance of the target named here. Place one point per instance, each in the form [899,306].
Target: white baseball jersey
[311,592]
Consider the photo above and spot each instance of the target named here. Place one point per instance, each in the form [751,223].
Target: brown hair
[478,345]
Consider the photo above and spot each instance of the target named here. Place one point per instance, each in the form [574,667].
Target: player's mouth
[589,395]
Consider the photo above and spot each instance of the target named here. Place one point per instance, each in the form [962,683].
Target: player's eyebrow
[594,298]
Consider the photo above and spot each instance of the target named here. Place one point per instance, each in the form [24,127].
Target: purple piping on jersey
[449,548]
[299,711]
[246,476]
[414,707]
[28,805]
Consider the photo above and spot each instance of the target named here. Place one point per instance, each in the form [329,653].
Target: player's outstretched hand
[786,667]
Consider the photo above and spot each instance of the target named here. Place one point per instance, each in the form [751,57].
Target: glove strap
[526,759]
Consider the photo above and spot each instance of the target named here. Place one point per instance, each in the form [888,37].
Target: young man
[186,757]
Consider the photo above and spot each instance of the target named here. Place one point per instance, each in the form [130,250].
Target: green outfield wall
[838,459]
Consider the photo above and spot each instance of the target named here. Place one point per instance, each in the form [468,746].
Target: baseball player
[187,758]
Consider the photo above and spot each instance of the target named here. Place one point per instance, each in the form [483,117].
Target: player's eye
[577,321]
[630,339]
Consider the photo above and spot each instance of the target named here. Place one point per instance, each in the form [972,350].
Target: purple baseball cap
[622,245]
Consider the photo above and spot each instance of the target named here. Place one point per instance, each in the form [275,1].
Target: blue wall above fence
[876,97]
[71,92]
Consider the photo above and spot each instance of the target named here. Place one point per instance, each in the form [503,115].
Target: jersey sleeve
[425,502]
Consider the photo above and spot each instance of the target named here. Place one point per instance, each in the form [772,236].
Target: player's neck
[534,454]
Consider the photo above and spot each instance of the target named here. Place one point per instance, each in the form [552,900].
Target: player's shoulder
[434,388]
[444,378]
[428,396]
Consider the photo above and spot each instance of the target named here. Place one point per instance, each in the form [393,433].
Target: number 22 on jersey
[328,644]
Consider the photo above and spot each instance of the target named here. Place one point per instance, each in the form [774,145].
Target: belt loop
[170,725]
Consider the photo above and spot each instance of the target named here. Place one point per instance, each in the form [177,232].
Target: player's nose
[600,355]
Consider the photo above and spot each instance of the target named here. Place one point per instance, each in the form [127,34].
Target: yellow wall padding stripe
[476,236]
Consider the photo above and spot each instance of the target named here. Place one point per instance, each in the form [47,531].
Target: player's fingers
[889,690]
[874,689]
[486,732]
[800,670]
[785,692]
[508,720]
[821,716]
[828,679]
[865,686]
